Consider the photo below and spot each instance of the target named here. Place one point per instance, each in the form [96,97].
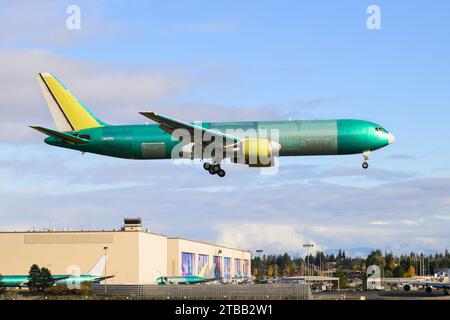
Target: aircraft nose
[391,138]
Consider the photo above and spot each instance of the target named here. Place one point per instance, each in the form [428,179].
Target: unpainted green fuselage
[15,281]
[297,138]
[182,280]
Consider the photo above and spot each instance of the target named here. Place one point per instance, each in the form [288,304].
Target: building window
[187,264]
[217,267]
[227,265]
[203,264]
[237,267]
[246,268]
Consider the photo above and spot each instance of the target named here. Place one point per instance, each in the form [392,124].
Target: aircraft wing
[65,136]
[169,125]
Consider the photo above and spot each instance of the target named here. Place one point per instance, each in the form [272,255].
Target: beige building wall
[176,246]
[152,257]
[133,257]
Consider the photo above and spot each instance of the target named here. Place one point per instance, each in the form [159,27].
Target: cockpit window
[380,129]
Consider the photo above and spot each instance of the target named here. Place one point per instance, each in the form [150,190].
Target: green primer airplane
[201,278]
[94,275]
[183,280]
[251,143]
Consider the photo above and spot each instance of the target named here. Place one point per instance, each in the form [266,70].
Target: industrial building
[134,255]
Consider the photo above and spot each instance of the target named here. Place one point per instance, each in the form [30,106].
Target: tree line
[391,265]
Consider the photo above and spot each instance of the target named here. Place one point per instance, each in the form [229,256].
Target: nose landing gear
[214,169]
[366,156]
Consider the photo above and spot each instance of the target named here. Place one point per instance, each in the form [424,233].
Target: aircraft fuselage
[296,137]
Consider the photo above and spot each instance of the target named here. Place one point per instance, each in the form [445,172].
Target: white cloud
[272,238]
[417,221]
[379,223]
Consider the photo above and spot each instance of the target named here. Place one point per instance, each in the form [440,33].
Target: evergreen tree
[47,280]
[398,272]
[34,278]
[39,279]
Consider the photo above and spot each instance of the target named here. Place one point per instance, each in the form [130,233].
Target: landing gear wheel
[211,170]
[365,165]
[428,290]
[221,173]
[216,168]
[206,166]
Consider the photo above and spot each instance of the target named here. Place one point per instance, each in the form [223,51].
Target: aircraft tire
[206,166]
[365,165]
[407,287]
[211,171]
[428,290]
[216,168]
[221,173]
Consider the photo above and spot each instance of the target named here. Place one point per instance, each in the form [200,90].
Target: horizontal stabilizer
[103,278]
[60,135]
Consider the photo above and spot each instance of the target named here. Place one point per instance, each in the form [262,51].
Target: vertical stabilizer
[99,267]
[67,112]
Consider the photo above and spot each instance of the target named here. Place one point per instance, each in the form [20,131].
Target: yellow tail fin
[68,113]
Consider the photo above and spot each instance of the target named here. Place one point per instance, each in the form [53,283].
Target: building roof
[79,231]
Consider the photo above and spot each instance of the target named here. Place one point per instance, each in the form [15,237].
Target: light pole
[106,250]
[307,246]
[320,263]
[259,251]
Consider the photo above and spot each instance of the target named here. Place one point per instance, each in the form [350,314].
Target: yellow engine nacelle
[259,152]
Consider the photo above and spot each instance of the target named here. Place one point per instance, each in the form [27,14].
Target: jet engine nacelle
[257,152]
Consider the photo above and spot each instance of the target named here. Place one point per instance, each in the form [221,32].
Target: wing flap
[61,135]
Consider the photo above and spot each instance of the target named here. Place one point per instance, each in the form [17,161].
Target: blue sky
[228,60]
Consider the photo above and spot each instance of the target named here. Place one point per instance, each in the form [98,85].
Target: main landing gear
[214,169]
[366,156]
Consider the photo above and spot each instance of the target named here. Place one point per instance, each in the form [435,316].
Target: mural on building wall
[217,266]
[187,264]
[237,267]
[227,265]
[202,263]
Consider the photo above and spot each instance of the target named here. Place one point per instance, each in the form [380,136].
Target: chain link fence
[208,292]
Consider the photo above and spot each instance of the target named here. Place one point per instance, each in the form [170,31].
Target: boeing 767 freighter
[251,143]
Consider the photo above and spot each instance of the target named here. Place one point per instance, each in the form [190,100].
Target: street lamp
[106,250]
[307,246]
[259,251]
